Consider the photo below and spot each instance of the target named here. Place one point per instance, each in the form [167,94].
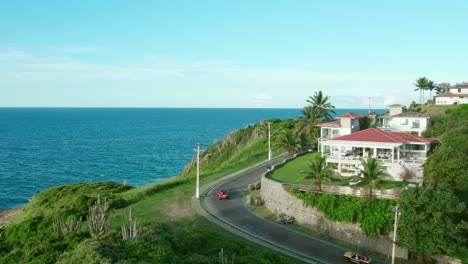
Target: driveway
[234,216]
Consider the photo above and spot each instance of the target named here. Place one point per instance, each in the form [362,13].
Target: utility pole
[369,105]
[269,141]
[394,234]
[197,191]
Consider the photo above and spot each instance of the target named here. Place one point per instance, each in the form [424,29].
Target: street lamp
[394,233]
[197,191]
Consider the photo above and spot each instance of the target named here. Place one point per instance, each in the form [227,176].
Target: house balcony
[354,159]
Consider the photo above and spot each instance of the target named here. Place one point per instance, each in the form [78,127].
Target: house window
[404,122]
[416,124]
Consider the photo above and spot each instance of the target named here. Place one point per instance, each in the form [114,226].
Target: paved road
[237,218]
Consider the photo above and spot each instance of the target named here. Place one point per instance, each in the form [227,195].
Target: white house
[396,151]
[346,124]
[398,121]
[458,94]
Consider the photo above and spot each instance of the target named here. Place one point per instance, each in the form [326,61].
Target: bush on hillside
[285,219]
[374,215]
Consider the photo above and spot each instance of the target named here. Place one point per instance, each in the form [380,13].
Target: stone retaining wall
[279,201]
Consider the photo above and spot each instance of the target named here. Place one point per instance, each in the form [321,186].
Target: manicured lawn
[294,172]
[291,172]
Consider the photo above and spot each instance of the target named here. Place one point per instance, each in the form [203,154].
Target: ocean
[45,147]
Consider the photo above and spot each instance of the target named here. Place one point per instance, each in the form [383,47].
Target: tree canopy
[319,170]
[421,85]
[431,221]
[306,124]
[372,173]
[449,163]
[320,103]
[289,141]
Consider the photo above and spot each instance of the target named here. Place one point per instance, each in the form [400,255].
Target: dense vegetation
[374,215]
[430,222]
[436,216]
[48,229]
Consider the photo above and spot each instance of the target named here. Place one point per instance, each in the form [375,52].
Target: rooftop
[405,114]
[450,95]
[377,135]
[461,85]
[349,115]
[336,123]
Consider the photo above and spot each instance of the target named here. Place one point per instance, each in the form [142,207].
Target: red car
[222,195]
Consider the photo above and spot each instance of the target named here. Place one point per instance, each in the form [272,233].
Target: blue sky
[226,53]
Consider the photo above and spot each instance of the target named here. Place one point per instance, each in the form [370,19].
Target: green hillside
[166,229]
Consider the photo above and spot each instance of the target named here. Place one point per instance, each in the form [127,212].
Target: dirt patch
[7,213]
[180,207]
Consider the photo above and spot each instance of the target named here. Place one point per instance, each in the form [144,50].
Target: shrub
[373,215]
[257,185]
[258,201]
[254,186]
[249,199]
[285,219]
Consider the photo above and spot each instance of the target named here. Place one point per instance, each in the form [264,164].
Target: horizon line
[166,107]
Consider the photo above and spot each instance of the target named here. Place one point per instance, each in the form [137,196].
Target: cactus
[97,217]
[62,228]
[131,229]
[224,259]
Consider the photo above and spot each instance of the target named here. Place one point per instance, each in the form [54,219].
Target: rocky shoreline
[7,213]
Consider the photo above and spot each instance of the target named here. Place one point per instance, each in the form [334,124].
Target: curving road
[234,216]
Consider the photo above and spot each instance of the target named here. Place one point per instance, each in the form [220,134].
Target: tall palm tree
[421,85]
[319,170]
[320,103]
[306,125]
[289,141]
[372,173]
[431,86]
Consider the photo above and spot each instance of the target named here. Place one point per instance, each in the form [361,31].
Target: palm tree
[320,103]
[431,86]
[372,173]
[320,170]
[289,141]
[306,125]
[421,85]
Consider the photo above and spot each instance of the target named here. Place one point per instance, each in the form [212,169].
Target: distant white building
[398,121]
[458,94]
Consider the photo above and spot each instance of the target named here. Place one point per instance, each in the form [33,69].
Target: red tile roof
[372,114]
[336,123]
[377,135]
[349,115]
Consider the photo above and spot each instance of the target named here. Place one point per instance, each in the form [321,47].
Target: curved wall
[278,200]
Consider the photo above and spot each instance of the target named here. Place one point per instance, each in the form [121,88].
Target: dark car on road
[355,257]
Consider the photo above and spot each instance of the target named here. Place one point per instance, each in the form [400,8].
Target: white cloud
[260,87]
[259,100]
